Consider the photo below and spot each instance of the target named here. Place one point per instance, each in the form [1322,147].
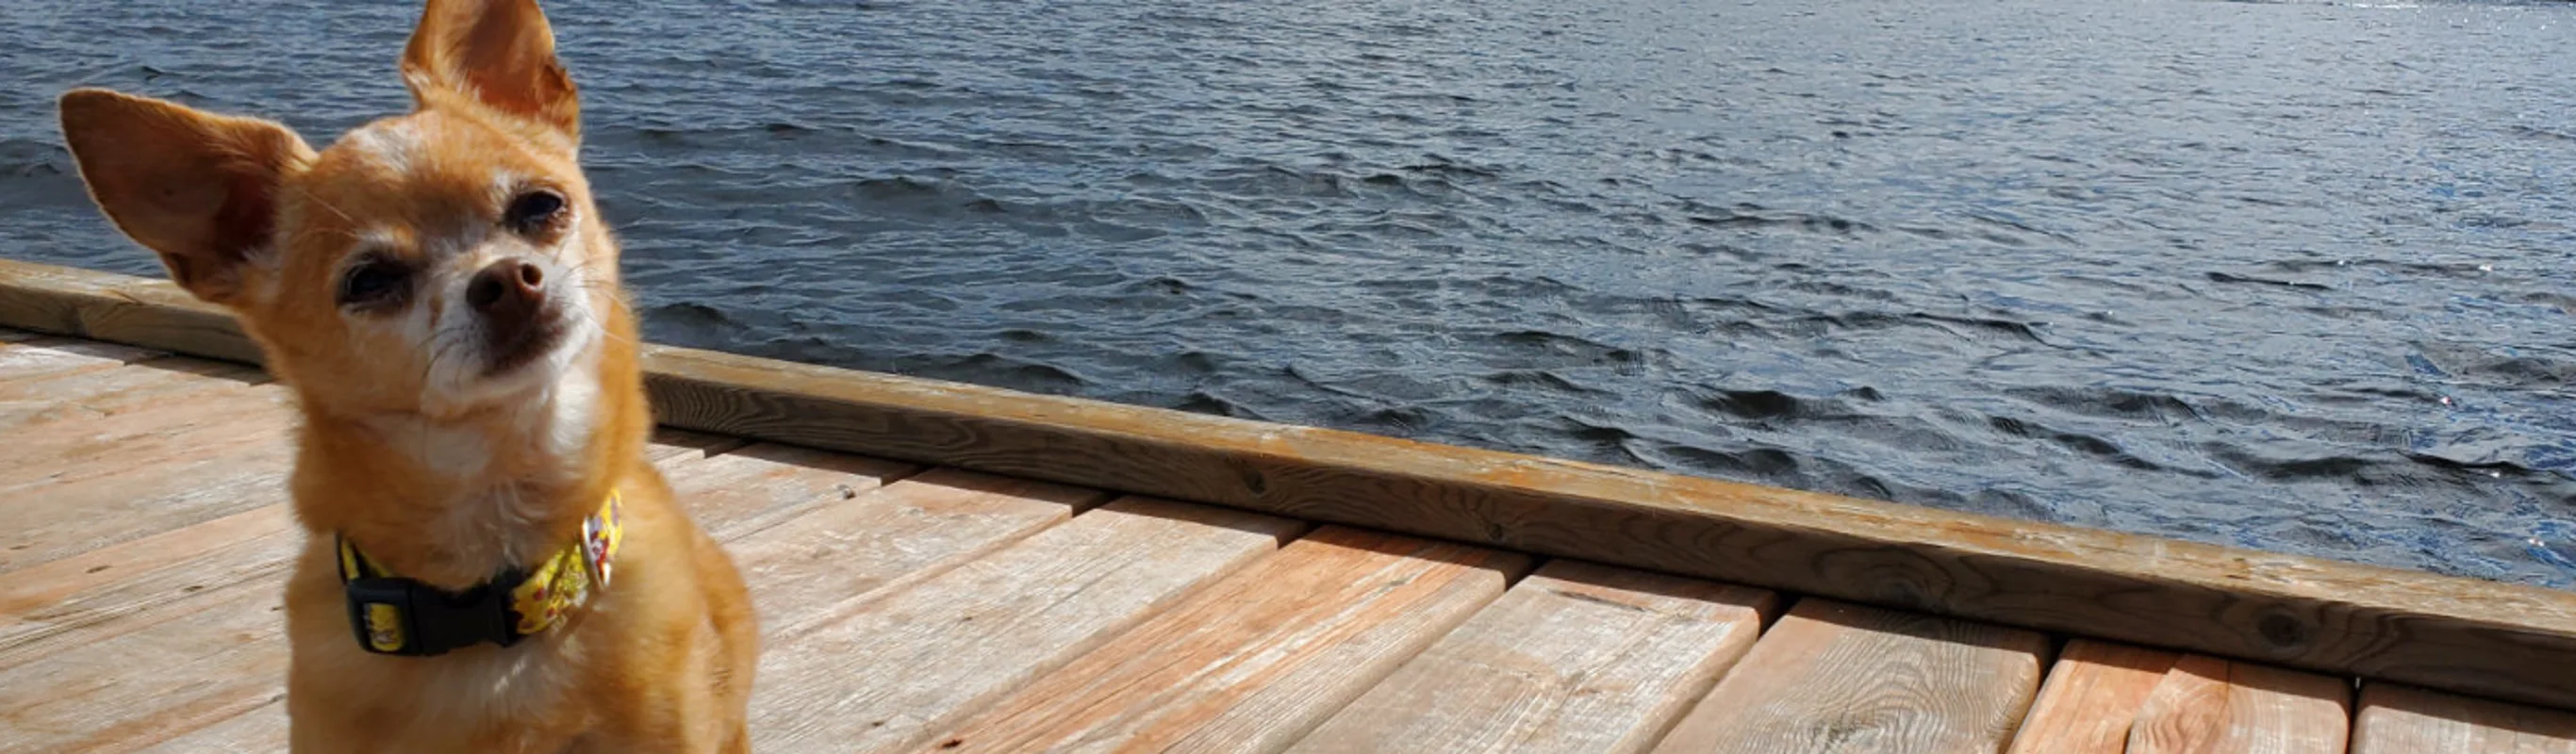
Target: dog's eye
[533,210]
[375,282]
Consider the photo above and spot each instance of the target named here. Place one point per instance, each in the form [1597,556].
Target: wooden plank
[2092,696]
[1252,662]
[195,662]
[82,591]
[673,445]
[2401,719]
[261,729]
[118,309]
[64,452]
[26,406]
[124,477]
[2206,704]
[1578,658]
[890,671]
[907,531]
[2470,635]
[1839,677]
[747,489]
[53,357]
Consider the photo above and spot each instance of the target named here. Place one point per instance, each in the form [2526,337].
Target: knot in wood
[2283,631]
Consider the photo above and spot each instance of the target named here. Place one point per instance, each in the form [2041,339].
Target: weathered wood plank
[47,357]
[1577,659]
[1837,677]
[2206,704]
[910,530]
[2091,697]
[101,585]
[192,663]
[26,406]
[260,730]
[132,475]
[2400,719]
[118,309]
[890,671]
[2469,635]
[60,452]
[1253,661]
[750,488]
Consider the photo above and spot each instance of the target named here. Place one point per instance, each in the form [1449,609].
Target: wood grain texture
[84,590]
[94,483]
[171,668]
[1252,662]
[2206,705]
[751,488]
[118,309]
[1834,677]
[2400,719]
[890,671]
[28,406]
[54,453]
[48,357]
[1576,659]
[2092,696]
[808,566]
[2468,635]
[262,729]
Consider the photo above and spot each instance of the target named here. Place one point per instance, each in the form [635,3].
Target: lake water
[2296,276]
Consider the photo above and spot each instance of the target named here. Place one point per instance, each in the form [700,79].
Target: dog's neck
[452,500]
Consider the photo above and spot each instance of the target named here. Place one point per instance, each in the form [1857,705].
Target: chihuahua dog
[492,563]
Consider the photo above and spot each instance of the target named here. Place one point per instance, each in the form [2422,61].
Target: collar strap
[398,616]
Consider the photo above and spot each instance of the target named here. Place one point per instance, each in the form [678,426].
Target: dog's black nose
[507,291]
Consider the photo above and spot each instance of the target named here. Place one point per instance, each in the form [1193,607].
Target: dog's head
[435,263]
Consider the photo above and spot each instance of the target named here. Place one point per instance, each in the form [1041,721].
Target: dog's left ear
[498,52]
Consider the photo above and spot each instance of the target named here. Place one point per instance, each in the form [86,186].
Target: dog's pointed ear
[497,52]
[197,188]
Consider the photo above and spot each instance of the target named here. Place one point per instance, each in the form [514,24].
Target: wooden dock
[946,568]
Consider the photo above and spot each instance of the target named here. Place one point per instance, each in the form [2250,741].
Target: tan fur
[414,445]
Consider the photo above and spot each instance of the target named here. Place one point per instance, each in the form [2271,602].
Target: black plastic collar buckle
[398,616]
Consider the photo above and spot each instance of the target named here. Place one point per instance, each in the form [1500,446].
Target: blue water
[2294,276]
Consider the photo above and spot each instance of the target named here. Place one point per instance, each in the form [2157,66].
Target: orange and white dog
[493,565]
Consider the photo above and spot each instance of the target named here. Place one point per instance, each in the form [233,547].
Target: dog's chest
[517,700]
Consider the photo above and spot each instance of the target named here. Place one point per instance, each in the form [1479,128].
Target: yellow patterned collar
[399,616]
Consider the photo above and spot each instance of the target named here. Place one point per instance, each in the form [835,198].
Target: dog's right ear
[199,189]
[498,52]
